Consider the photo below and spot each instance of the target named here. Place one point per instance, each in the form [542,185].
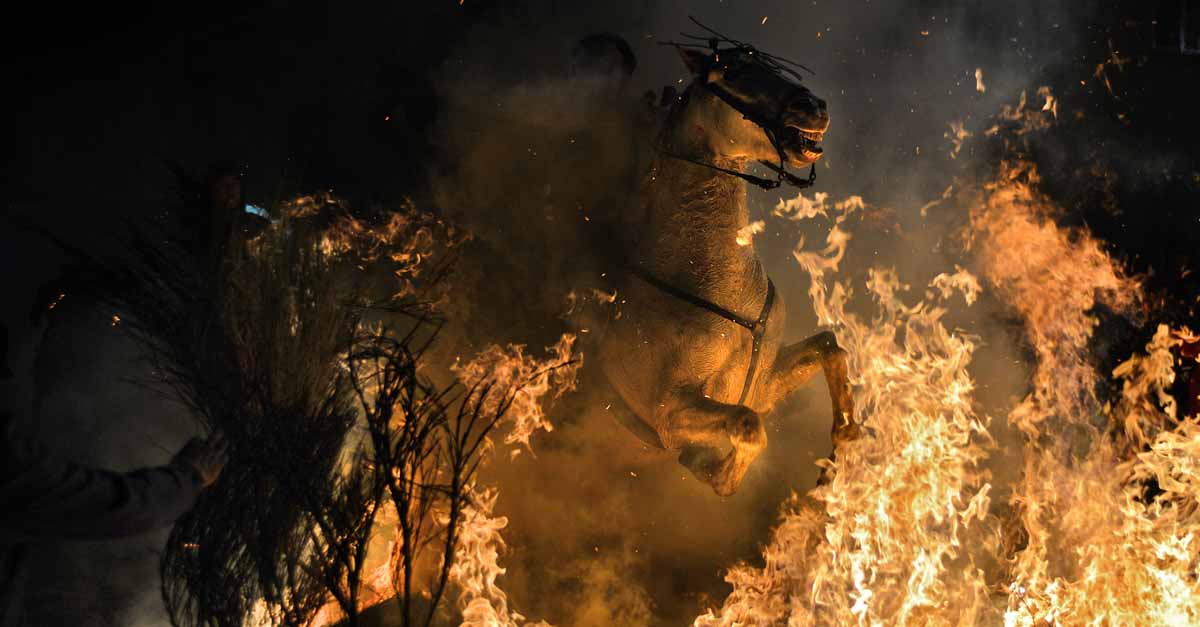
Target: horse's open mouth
[803,143]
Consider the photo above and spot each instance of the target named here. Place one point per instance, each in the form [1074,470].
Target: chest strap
[756,327]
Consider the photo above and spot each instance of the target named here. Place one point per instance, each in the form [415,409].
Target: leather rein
[772,128]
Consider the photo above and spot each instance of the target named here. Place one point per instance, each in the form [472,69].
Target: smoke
[603,530]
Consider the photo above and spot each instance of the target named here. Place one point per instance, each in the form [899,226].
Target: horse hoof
[746,431]
[724,488]
[703,461]
[726,477]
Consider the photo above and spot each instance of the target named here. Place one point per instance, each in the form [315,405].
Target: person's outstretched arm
[43,497]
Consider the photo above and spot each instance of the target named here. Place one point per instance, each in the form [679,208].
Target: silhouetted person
[213,212]
[43,498]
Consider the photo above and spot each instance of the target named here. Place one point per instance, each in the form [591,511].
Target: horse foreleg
[796,364]
[699,426]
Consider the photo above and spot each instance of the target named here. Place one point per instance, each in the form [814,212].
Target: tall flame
[1104,519]
[878,549]
[1099,547]
[477,556]
[511,370]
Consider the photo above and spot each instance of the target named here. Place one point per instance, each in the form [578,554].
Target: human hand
[206,458]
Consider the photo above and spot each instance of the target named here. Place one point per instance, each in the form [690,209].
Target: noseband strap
[780,170]
[768,184]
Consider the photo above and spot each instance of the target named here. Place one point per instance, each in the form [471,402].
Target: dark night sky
[300,94]
[350,96]
[101,99]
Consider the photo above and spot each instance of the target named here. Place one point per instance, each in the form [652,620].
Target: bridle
[773,128]
[783,176]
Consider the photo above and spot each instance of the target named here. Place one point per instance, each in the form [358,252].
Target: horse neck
[692,215]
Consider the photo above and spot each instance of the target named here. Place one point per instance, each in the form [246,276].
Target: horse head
[768,115]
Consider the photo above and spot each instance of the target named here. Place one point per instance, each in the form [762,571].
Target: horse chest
[660,345]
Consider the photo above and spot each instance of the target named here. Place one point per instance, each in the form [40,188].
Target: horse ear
[696,61]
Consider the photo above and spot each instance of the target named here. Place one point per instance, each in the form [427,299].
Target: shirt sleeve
[43,497]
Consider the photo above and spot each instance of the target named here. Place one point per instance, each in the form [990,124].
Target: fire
[877,548]
[1114,60]
[404,239]
[1027,119]
[476,558]
[801,208]
[477,565]
[957,135]
[1101,527]
[746,234]
[530,379]
[1123,555]
[508,373]
[1052,278]
[1099,548]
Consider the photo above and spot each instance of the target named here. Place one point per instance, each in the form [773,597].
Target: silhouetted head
[759,100]
[225,187]
[603,55]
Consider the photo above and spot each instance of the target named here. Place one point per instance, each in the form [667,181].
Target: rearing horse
[696,356]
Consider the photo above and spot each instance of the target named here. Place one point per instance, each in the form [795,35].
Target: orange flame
[1099,548]
[477,565]
[893,517]
[510,370]
[1107,509]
